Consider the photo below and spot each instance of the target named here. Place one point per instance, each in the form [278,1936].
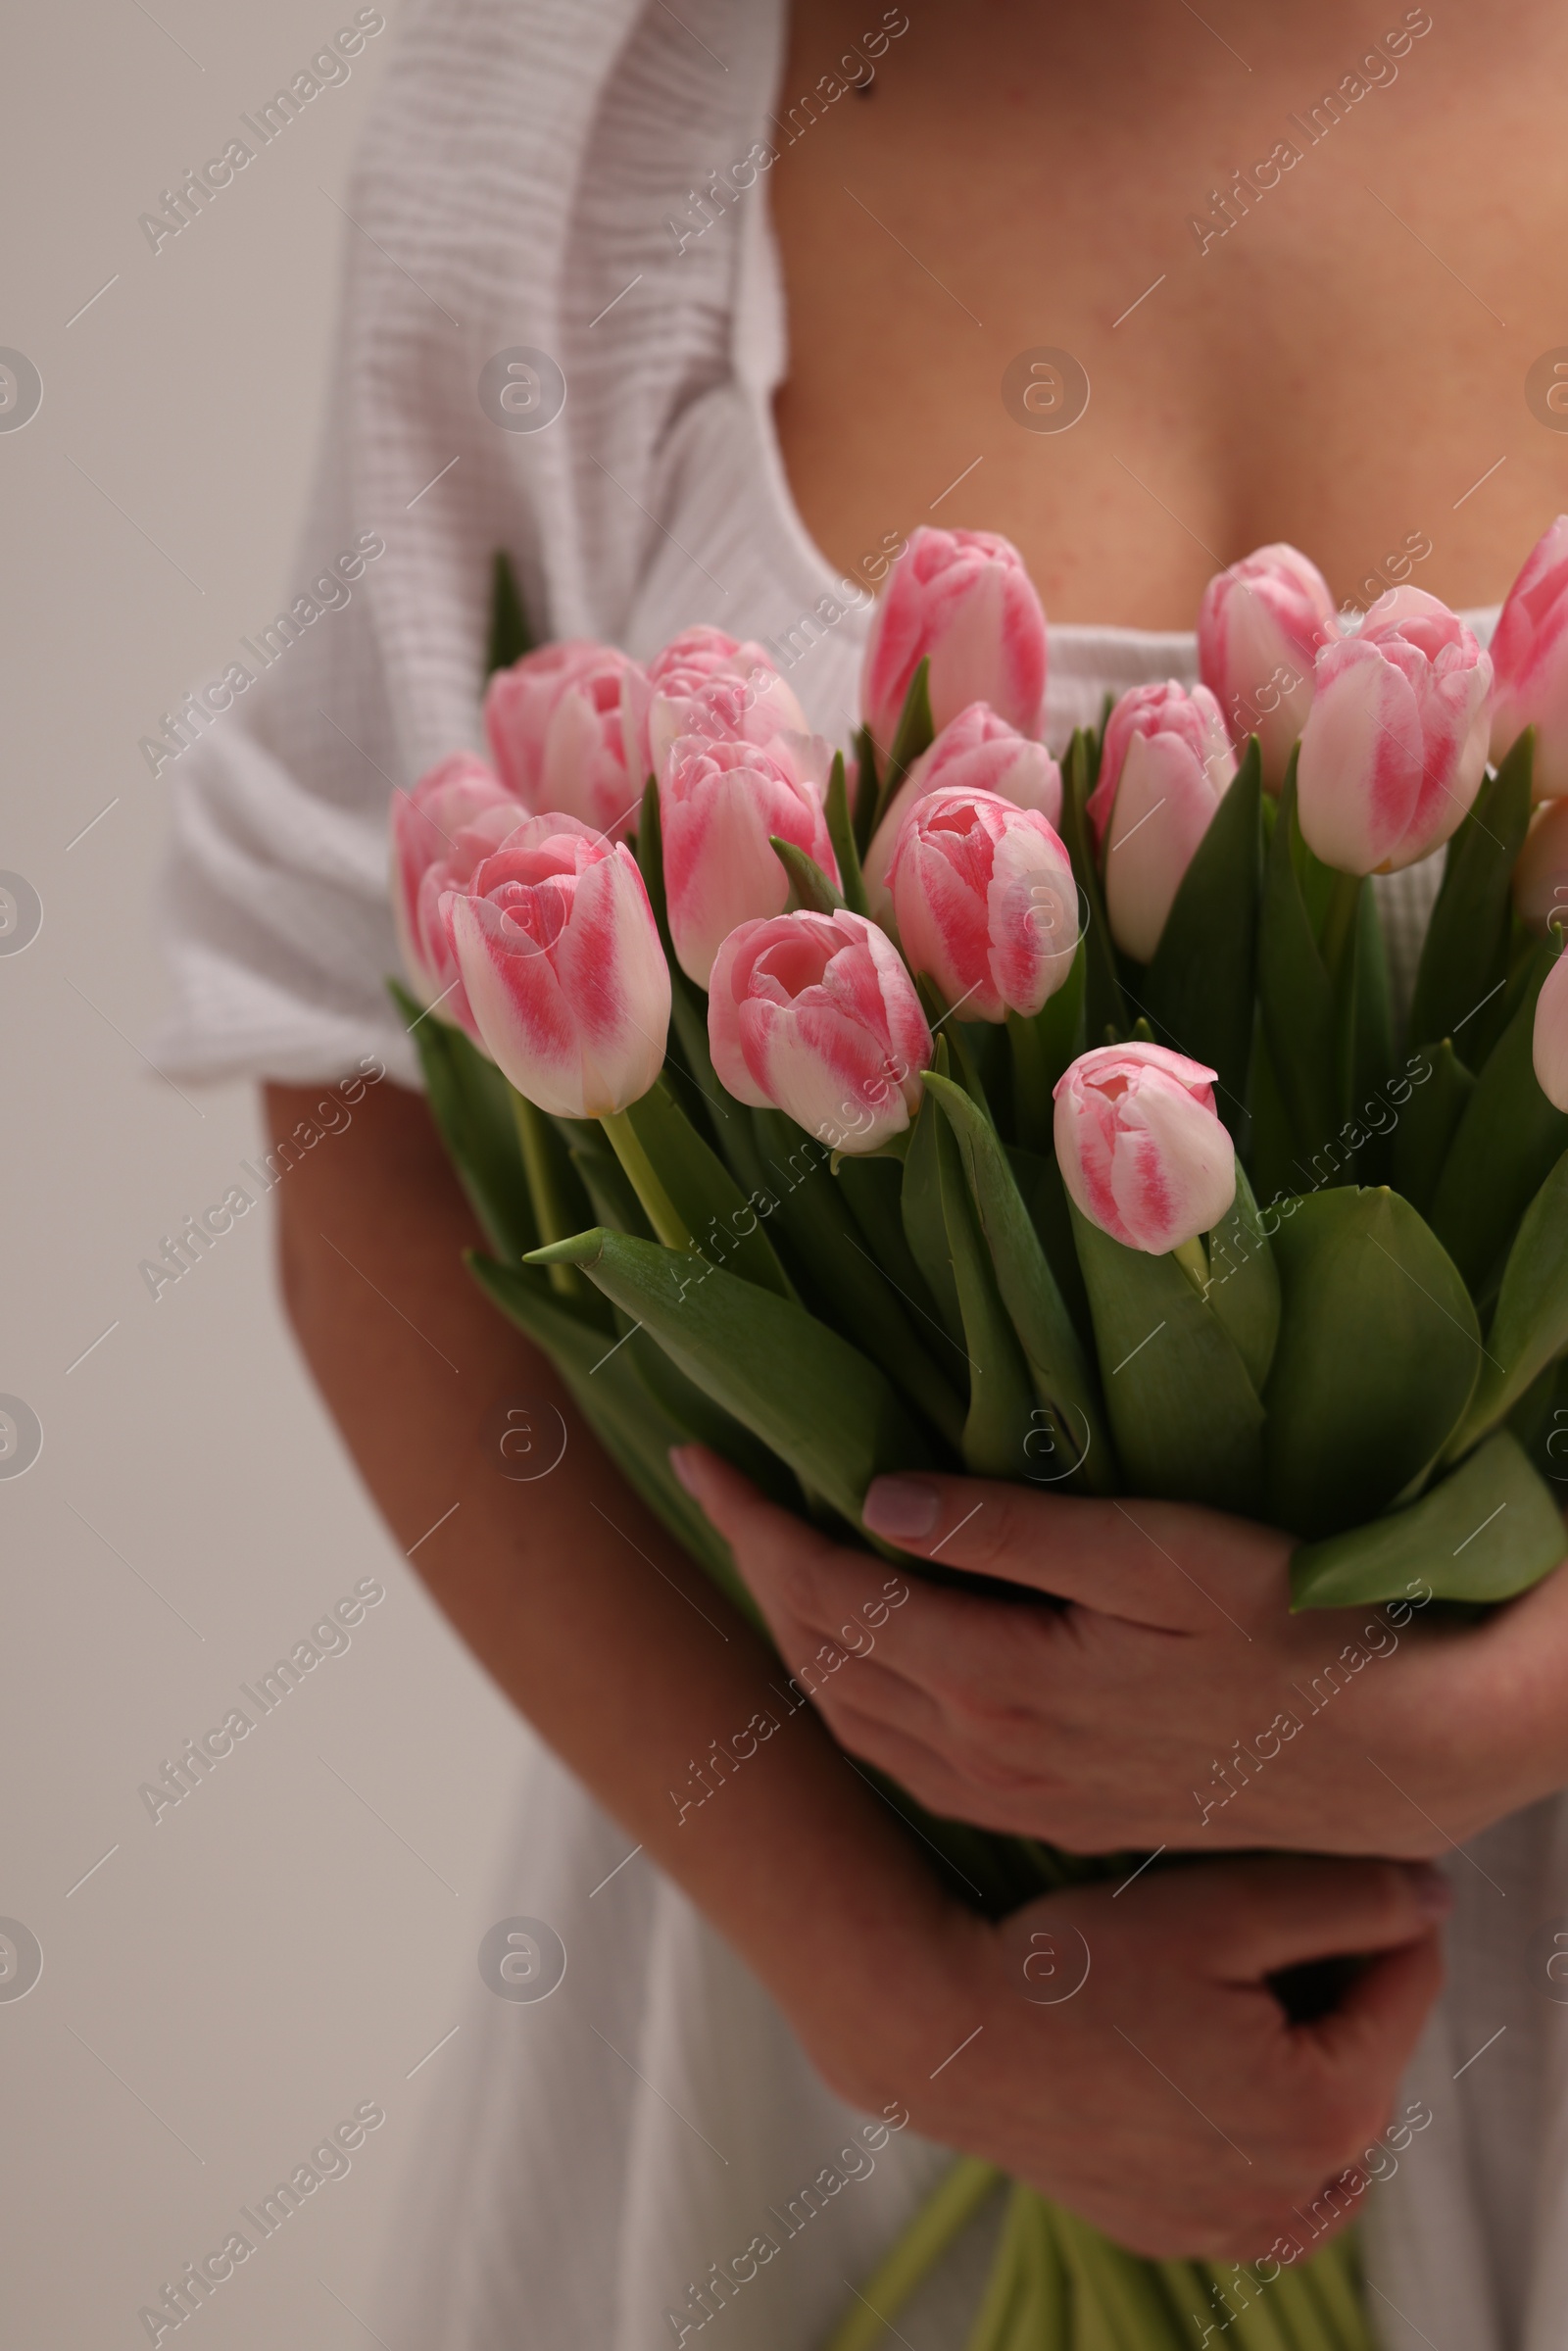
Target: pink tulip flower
[1166,765]
[963,599]
[718,805]
[707,683]
[1260,627]
[976,752]
[985,900]
[816,1015]
[563,968]
[1530,656]
[1549,1043]
[1540,876]
[563,724]
[454,817]
[1141,1148]
[1395,745]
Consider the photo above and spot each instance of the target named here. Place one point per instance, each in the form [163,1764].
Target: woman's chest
[1144,339]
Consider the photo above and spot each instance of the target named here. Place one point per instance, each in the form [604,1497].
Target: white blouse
[571,181]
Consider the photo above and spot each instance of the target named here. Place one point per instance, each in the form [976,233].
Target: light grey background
[231,1982]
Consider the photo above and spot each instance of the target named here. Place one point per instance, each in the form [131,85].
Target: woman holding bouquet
[779,2014]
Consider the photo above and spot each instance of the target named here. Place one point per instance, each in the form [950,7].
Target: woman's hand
[624,1656]
[1121,2049]
[1168,1698]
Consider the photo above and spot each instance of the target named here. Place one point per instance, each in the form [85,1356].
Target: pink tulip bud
[976,752]
[1260,627]
[816,1015]
[963,599]
[1395,745]
[454,817]
[705,683]
[1550,1044]
[1530,656]
[718,805]
[565,724]
[985,902]
[1141,1148]
[1165,766]
[561,959]
[1540,876]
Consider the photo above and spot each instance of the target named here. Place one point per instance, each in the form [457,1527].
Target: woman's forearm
[593,1621]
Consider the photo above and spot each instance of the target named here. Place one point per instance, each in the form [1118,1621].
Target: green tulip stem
[658,1208]
[1193,1259]
[921,2246]
[1033,1111]
[544,1189]
[1339,920]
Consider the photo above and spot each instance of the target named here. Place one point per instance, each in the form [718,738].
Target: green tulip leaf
[1464,959]
[1378,1352]
[869,1185]
[1042,1048]
[470,1103]
[810,887]
[1103,1007]
[845,1282]
[1428,1123]
[668,1162]
[1489,1530]
[611,1196]
[1504,1146]
[1184,1416]
[924,1226]
[1364,1035]
[1244,1285]
[1002,1400]
[1044,1198]
[1530,1327]
[509,635]
[868,790]
[1295,995]
[819,1404]
[1063,1384]
[915,734]
[618,1404]
[841,832]
[1198,989]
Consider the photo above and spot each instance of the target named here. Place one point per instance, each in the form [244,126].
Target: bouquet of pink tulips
[946,1106]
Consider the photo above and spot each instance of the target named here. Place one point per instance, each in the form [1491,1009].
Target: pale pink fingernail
[1432,1892]
[901,1507]
[683,1468]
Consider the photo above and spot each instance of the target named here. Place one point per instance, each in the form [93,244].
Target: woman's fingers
[1159,1563]
[971,1654]
[1278,1911]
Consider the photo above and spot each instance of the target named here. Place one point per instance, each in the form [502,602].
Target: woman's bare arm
[628,1662]
[591,1619]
